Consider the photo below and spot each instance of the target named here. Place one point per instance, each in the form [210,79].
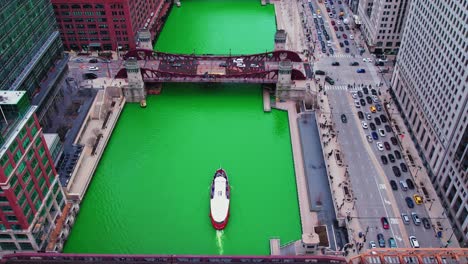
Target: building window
[7,209]
[33,131]
[8,246]
[26,246]
[26,143]
[11,218]
[41,151]
[21,167]
[21,236]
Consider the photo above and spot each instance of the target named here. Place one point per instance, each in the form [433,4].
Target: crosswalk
[341,88]
[339,55]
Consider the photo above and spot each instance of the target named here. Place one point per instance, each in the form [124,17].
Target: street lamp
[449,239]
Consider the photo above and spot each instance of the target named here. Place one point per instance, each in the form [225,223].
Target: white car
[369,60]
[364,125]
[351,37]
[338,22]
[375,98]
[241,65]
[414,242]
[93,68]
[354,95]
[368,116]
[372,244]
[380,146]
[382,132]
[357,104]
[369,138]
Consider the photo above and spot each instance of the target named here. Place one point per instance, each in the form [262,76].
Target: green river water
[150,192]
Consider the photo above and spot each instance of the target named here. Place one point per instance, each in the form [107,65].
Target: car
[377,63]
[341,44]
[365,90]
[392,242]
[359,93]
[328,9]
[372,244]
[333,22]
[330,14]
[377,121]
[360,115]
[375,98]
[223,64]
[397,154]
[368,116]
[426,223]
[394,141]
[369,138]
[373,92]
[396,171]
[351,37]
[253,65]
[381,131]
[93,61]
[346,27]
[354,63]
[391,158]
[409,202]
[342,29]
[388,128]
[410,184]
[378,107]
[387,146]
[356,103]
[320,72]
[343,118]
[369,100]
[394,185]
[383,118]
[414,242]
[344,35]
[384,222]
[403,167]
[380,146]
[335,63]
[346,42]
[93,68]
[372,126]
[361,71]
[329,80]
[405,218]
[347,50]
[418,199]
[375,136]
[372,109]
[364,124]
[416,219]
[381,240]
[363,102]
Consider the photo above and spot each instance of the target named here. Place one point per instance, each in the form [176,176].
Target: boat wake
[219,241]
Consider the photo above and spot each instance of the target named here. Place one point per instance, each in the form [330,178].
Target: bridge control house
[31,198]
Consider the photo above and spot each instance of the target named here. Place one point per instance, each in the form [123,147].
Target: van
[414,242]
[403,185]
[416,219]
[405,218]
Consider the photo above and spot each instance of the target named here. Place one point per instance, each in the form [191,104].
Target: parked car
[384,222]
[319,72]
[380,146]
[360,115]
[359,93]
[369,101]
[388,128]
[364,124]
[347,50]
[387,146]
[396,171]
[409,202]
[381,131]
[394,141]
[373,92]
[416,219]
[403,167]
[343,118]
[365,90]
[405,218]
[397,154]
[372,244]
[383,118]
[329,80]
[375,136]
[377,122]
[426,223]
[414,242]
[93,68]
[373,109]
[368,116]
[418,199]
[346,42]
[355,63]
[361,71]
[384,159]
[410,184]
[394,185]
[381,239]
[372,126]
[392,243]
[362,101]
[379,107]
[391,158]
[335,63]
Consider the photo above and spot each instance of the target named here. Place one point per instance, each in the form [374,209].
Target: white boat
[219,200]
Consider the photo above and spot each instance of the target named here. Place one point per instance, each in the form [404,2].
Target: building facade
[31,52]
[105,24]
[383,23]
[430,87]
[31,198]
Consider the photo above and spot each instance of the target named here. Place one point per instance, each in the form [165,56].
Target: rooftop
[10,97]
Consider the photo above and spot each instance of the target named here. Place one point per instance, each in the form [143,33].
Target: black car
[397,154]
[394,141]
[387,146]
[409,202]
[403,167]
[365,90]
[391,158]
[377,121]
[319,72]
[335,63]
[362,101]
[384,159]
[388,128]
[373,91]
[359,93]
[360,115]
[372,126]
[331,51]
[346,42]
[410,184]
[396,171]
[369,99]
[394,185]
[383,118]
[341,44]
[347,27]
[354,63]
[93,61]
[343,118]
[341,28]
[327,37]
[329,80]
[426,223]
[381,240]
[347,50]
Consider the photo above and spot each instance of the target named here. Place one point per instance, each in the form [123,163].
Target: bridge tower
[134,92]
[280,39]
[283,87]
[144,36]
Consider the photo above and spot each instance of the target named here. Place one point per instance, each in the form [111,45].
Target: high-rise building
[105,24]
[430,87]
[31,198]
[31,53]
[383,23]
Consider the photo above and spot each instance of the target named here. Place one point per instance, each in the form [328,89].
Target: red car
[333,23]
[385,224]
[344,36]
[335,28]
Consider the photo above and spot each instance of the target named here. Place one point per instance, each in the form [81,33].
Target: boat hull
[220,200]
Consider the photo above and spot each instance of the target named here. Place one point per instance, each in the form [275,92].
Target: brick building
[107,24]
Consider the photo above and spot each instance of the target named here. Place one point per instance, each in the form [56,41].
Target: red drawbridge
[256,68]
